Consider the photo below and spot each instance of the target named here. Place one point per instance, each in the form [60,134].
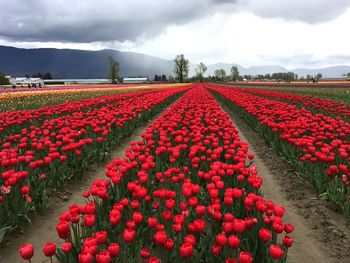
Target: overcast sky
[290,33]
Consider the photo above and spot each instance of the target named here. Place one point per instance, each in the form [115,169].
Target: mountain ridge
[75,63]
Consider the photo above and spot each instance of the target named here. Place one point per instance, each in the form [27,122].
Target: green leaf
[45,199]
[4,230]
[26,217]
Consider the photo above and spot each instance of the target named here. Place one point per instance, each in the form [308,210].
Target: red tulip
[49,249]
[200,210]
[186,250]
[279,211]
[216,249]
[265,235]
[26,251]
[144,253]
[114,249]
[152,222]
[160,237]
[221,239]
[153,259]
[288,228]
[66,247]
[89,220]
[103,257]
[276,252]
[100,237]
[129,235]
[245,257]
[63,229]
[85,258]
[233,241]
[169,244]
[287,241]
[25,190]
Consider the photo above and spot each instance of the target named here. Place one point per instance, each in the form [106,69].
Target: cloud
[88,21]
[98,20]
[250,40]
[296,59]
[338,59]
[308,11]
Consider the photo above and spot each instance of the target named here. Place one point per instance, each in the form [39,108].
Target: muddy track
[320,235]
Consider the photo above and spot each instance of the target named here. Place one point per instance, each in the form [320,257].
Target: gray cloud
[88,21]
[98,20]
[309,11]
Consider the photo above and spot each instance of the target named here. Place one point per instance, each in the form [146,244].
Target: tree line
[181,70]
[46,75]
[182,67]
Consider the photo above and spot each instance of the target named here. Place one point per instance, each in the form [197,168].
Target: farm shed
[30,82]
[135,80]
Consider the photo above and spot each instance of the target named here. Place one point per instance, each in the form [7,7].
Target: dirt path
[43,228]
[320,235]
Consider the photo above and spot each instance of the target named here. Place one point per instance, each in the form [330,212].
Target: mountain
[329,72]
[72,63]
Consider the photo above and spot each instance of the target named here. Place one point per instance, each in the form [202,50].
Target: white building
[135,80]
[26,82]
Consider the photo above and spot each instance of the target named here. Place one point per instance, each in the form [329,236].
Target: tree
[47,75]
[37,75]
[289,76]
[164,78]
[308,78]
[348,74]
[181,68]
[171,78]
[248,77]
[157,78]
[318,76]
[234,73]
[3,79]
[113,70]
[267,76]
[220,74]
[200,70]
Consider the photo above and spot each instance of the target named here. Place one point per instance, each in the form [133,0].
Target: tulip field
[187,190]
[317,145]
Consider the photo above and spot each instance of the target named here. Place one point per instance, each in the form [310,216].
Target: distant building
[135,80]
[25,82]
[77,81]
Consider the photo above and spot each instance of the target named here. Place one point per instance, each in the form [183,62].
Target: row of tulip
[13,121]
[187,192]
[35,100]
[316,145]
[336,108]
[39,160]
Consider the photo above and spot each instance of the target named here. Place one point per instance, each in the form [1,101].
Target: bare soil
[321,235]
[43,227]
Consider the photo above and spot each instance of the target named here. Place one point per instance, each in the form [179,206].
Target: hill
[72,63]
